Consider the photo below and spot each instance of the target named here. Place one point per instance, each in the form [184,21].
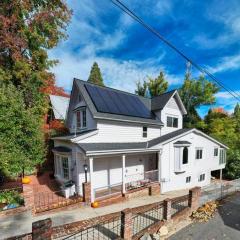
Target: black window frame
[172,122]
[199,153]
[145,129]
[188,179]
[215,153]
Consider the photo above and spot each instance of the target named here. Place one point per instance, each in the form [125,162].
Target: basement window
[144,132]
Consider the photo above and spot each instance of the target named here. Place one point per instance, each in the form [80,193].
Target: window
[199,153]
[188,179]
[81,118]
[172,122]
[65,167]
[215,152]
[144,132]
[84,118]
[185,155]
[79,98]
[78,116]
[201,178]
[222,156]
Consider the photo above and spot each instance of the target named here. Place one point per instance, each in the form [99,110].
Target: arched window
[185,155]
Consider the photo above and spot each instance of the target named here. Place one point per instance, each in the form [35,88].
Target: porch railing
[112,189]
[141,179]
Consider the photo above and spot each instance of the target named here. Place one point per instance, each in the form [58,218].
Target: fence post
[126,224]
[86,186]
[167,209]
[194,197]
[28,196]
[42,230]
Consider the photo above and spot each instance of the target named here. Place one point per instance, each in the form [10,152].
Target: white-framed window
[81,118]
[199,153]
[144,131]
[215,152]
[201,177]
[65,167]
[172,122]
[185,155]
[222,156]
[188,179]
[62,169]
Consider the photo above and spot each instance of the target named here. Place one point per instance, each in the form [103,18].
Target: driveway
[224,226]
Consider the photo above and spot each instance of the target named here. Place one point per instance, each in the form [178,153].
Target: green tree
[195,93]
[21,136]
[28,29]
[95,75]
[156,86]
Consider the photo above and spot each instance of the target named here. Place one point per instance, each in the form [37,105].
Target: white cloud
[225,64]
[117,74]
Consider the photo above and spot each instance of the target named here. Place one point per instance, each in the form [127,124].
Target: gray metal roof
[159,102]
[88,147]
[182,142]
[168,136]
[59,106]
[62,149]
[69,136]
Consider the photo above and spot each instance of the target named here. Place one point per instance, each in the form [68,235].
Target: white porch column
[123,174]
[91,177]
[159,165]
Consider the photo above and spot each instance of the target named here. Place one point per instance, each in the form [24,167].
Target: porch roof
[90,147]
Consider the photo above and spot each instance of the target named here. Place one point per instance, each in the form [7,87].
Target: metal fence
[44,201]
[141,179]
[145,219]
[179,204]
[110,229]
[217,191]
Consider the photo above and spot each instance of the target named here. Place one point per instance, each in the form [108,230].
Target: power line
[124,8]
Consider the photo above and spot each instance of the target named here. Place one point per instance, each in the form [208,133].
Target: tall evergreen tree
[95,75]
[28,29]
[156,86]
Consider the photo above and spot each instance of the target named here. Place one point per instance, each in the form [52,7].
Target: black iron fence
[179,204]
[110,229]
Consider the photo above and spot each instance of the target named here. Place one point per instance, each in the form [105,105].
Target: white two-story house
[120,141]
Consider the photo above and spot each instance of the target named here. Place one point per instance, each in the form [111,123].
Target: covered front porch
[115,174]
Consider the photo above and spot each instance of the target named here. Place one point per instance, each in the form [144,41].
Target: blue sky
[206,31]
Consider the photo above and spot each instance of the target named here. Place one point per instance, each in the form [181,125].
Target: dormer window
[172,122]
[79,98]
[81,119]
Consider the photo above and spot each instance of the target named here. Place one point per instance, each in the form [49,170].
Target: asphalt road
[224,226]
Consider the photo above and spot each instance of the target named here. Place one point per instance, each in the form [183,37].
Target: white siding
[110,131]
[194,168]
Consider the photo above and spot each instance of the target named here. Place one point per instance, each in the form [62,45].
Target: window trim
[144,132]
[196,153]
[216,148]
[202,177]
[59,168]
[188,178]
[172,119]
[83,118]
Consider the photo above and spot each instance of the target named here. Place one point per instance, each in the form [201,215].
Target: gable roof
[142,103]
[59,106]
[159,102]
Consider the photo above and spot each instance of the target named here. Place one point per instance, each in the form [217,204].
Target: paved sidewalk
[64,217]
[22,223]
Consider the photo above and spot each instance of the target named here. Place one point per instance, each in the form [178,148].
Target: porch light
[85,167]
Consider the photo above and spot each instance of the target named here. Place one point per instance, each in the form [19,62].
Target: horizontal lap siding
[109,131]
